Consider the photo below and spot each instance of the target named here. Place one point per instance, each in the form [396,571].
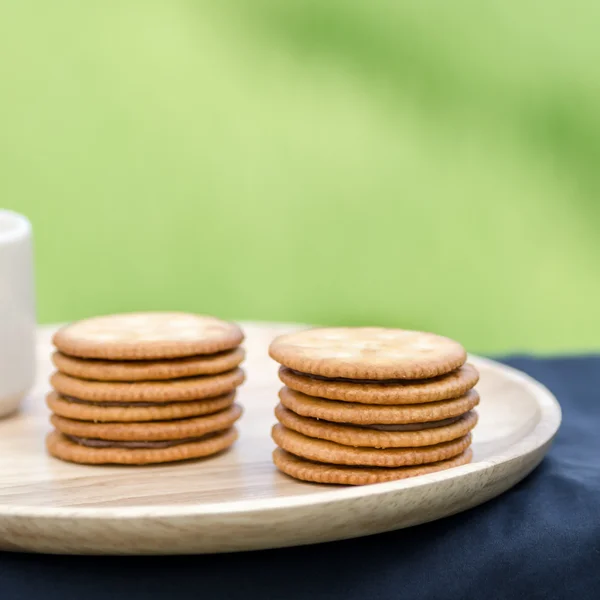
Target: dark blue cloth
[539,540]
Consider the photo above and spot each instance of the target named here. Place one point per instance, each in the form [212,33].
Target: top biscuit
[373,353]
[151,335]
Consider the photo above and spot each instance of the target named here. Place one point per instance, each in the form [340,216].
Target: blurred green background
[429,165]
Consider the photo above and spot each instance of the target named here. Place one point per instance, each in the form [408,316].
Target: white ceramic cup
[17,311]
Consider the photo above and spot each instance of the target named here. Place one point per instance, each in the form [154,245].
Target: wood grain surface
[238,500]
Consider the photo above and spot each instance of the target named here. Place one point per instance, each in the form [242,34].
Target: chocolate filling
[411,426]
[95,443]
[119,404]
[369,381]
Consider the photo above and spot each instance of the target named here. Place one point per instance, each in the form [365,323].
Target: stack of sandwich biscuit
[366,405]
[144,388]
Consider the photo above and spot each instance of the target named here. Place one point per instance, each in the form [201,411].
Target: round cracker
[343,475]
[350,435]
[150,431]
[177,390]
[444,387]
[147,335]
[329,452]
[85,411]
[368,353]
[61,447]
[148,370]
[368,414]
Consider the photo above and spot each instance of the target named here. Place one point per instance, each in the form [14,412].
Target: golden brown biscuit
[83,410]
[355,436]
[336,454]
[177,390]
[150,431]
[443,387]
[368,353]
[147,335]
[366,414]
[306,470]
[62,447]
[148,370]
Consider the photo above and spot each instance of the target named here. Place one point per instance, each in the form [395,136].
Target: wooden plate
[238,501]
